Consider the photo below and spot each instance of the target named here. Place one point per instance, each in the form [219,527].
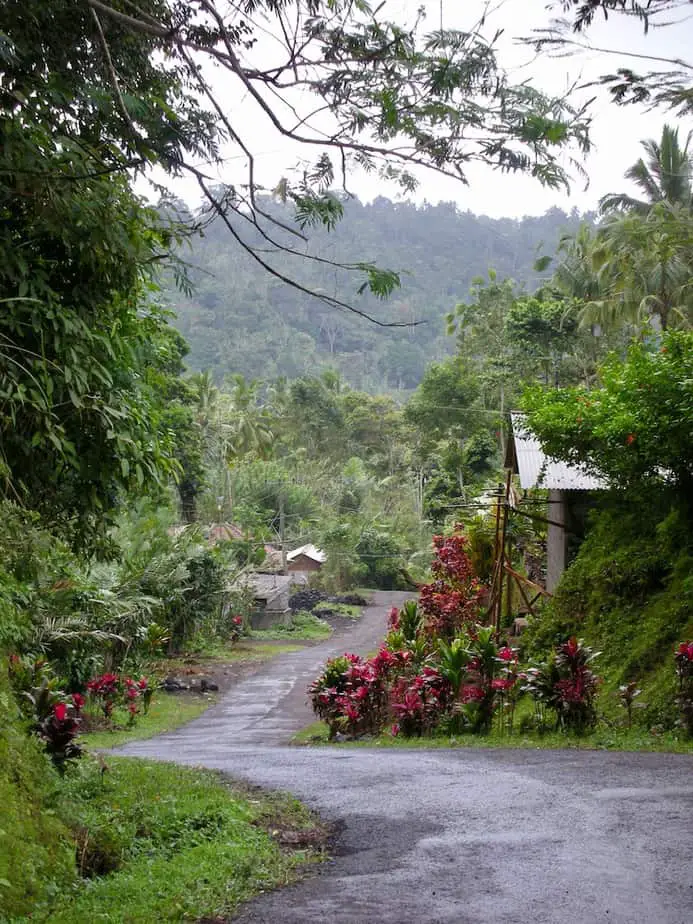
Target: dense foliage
[455,676]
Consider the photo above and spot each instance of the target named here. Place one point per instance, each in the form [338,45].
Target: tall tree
[132,84]
[664,176]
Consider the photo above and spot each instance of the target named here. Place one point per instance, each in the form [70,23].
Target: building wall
[556,539]
[304,563]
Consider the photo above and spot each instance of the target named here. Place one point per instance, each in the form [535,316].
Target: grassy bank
[158,842]
[603,739]
[303,626]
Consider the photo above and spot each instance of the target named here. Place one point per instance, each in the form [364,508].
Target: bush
[50,714]
[453,598]
[351,694]
[566,686]
[111,690]
[36,853]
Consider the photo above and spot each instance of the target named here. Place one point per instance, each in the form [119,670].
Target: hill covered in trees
[242,320]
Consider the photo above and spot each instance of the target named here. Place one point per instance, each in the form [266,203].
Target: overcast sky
[616,131]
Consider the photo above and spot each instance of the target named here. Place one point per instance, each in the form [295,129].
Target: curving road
[464,836]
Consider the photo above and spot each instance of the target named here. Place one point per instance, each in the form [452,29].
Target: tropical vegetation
[142,477]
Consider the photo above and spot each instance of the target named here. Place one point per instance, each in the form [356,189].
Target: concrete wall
[556,539]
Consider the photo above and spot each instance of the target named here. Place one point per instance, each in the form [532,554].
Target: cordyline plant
[487,678]
[684,670]
[51,714]
[567,686]
[417,684]
[351,693]
[111,690]
[452,599]
[419,703]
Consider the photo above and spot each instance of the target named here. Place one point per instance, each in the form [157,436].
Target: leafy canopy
[635,429]
[137,86]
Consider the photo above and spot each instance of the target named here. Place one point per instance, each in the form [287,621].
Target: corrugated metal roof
[537,470]
[310,551]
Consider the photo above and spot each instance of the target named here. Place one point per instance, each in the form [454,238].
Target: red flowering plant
[506,685]
[136,692]
[479,694]
[683,657]
[453,598]
[111,690]
[236,628]
[419,703]
[351,694]
[567,686]
[406,638]
[483,678]
[105,690]
[51,715]
[58,731]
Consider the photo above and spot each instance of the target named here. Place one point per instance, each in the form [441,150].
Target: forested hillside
[241,320]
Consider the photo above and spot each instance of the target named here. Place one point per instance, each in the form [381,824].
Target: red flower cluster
[420,702]
[685,651]
[453,598]
[111,690]
[105,688]
[351,693]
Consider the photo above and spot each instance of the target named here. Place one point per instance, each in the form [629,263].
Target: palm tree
[249,432]
[665,176]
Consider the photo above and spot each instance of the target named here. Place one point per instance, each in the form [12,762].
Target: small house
[270,598]
[570,493]
[305,560]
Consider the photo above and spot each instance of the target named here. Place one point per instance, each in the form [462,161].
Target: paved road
[466,836]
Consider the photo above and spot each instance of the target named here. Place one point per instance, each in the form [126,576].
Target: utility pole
[281,530]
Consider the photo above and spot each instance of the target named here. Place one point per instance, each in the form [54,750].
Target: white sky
[616,131]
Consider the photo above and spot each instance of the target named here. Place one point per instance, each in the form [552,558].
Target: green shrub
[36,853]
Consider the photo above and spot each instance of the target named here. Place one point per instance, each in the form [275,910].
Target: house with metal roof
[569,489]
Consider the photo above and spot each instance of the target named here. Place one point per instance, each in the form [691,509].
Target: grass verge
[160,842]
[166,712]
[303,626]
[603,739]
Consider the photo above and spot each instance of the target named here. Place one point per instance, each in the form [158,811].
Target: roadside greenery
[441,672]
[156,842]
[133,496]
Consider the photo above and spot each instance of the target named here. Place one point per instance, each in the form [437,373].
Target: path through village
[467,836]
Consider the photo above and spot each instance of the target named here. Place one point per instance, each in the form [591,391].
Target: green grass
[166,712]
[247,649]
[303,625]
[159,842]
[342,609]
[602,739]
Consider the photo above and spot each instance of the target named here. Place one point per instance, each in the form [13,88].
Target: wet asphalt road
[464,836]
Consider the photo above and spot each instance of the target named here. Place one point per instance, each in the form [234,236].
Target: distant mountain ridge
[242,320]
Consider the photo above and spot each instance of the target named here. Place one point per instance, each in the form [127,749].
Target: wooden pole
[501,548]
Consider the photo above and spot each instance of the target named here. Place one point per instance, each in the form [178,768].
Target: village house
[570,492]
[305,561]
